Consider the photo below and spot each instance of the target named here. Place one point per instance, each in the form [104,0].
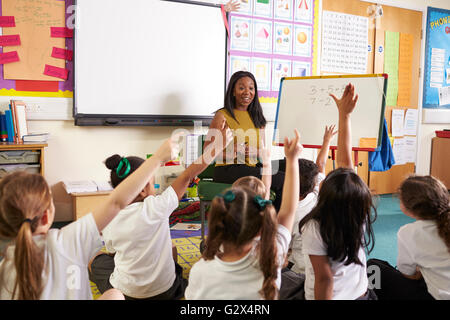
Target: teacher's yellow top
[246,139]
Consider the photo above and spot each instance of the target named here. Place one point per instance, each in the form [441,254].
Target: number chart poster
[36,48]
[436,93]
[273,39]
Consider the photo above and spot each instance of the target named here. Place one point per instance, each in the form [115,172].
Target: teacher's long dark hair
[254,109]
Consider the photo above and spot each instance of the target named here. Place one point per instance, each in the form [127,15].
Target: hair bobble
[27,220]
[126,163]
[261,203]
[229,196]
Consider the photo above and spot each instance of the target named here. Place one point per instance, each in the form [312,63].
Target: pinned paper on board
[391,46]
[7,21]
[62,54]
[344,51]
[262,38]
[56,72]
[10,40]
[410,123]
[397,122]
[33,21]
[409,149]
[283,9]
[262,8]
[398,148]
[9,57]
[405,69]
[282,38]
[61,32]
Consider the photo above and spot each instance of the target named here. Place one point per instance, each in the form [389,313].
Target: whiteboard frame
[130,120]
[382,116]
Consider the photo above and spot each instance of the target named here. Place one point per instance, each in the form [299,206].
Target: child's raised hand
[329,133]
[232,5]
[265,153]
[348,100]
[293,148]
[169,149]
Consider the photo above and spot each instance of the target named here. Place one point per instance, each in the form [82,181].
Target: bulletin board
[43,66]
[273,39]
[436,86]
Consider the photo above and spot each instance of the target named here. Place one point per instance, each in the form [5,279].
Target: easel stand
[333,149]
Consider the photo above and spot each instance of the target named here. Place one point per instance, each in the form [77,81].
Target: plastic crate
[8,168]
[20,156]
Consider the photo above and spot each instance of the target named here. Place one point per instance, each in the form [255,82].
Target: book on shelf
[9,126]
[18,109]
[3,131]
[36,137]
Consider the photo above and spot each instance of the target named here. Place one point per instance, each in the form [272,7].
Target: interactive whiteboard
[148,62]
[304,103]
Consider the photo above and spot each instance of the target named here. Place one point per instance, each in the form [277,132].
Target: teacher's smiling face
[244,93]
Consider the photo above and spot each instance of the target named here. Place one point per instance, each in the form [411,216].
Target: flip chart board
[305,104]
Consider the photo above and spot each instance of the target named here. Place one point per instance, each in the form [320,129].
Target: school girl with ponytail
[423,260]
[51,264]
[247,241]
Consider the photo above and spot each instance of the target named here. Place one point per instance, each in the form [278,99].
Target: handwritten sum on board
[321,95]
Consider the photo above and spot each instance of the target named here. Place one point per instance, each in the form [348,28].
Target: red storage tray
[443,134]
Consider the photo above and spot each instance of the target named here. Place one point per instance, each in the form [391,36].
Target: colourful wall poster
[282,31]
[280,69]
[302,41]
[283,9]
[262,36]
[301,69]
[238,63]
[240,33]
[246,6]
[282,38]
[261,71]
[262,8]
[436,86]
[303,11]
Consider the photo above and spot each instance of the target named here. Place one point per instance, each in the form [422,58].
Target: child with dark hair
[247,241]
[144,264]
[423,260]
[333,233]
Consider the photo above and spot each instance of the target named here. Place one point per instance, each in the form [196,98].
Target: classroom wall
[426,131]
[77,153]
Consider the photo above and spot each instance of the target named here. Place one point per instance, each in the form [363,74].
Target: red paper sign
[12,40]
[37,86]
[56,72]
[61,32]
[62,54]
[9,57]
[7,21]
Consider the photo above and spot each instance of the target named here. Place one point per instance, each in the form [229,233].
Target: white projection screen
[148,62]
